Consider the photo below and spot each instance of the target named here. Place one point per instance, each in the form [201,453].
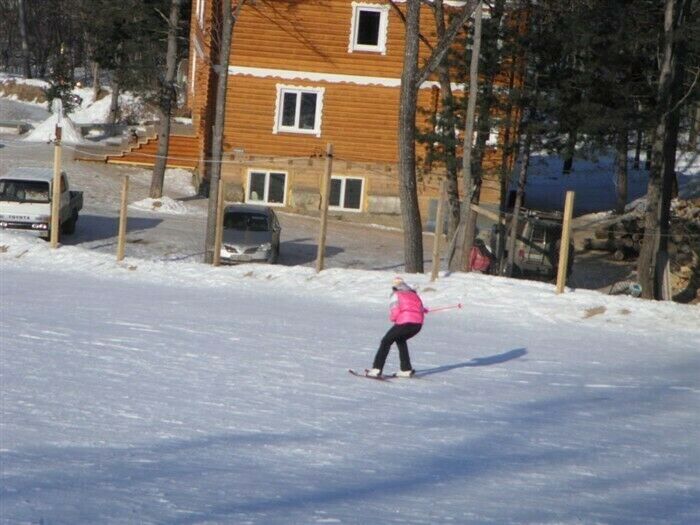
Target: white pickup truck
[25,201]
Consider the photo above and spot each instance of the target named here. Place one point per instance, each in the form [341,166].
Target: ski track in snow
[178,393]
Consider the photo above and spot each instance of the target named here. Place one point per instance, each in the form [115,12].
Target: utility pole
[325,196]
[56,191]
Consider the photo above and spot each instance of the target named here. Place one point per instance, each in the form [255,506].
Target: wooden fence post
[564,246]
[439,220]
[219,230]
[121,237]
[56,191]
[325,196]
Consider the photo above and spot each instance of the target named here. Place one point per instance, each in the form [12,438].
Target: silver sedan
[251,234]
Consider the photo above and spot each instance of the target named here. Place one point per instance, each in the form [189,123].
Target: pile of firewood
[623,235]
[685,262]
[684,244]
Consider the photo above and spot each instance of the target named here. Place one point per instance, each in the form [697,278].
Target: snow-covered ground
[31,113]
[161,390]
[173,392]
[175,230]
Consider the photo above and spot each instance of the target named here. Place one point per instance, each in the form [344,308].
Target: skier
[406,311]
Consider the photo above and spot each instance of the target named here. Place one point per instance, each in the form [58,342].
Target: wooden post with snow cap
[565,239]
[219,230]
[121,238]
[439,220]
[325,197]
[56,191]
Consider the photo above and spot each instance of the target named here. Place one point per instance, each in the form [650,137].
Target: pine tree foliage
[128,39]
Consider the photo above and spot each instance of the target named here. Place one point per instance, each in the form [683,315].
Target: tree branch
[445,42]
[403,19]
[690,90]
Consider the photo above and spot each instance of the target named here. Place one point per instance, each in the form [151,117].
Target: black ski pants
[399,334]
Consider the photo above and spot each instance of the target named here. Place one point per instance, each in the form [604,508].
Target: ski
[364,374]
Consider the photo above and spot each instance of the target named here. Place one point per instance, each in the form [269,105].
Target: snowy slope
[160,392]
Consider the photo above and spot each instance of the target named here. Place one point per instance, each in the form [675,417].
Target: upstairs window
[369,27]
[298,110]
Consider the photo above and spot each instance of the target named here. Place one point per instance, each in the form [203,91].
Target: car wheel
[274,257]
[69,226]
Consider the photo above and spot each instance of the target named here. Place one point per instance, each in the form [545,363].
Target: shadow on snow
[477,361]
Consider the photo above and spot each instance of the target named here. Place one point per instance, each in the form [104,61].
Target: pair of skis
[376,378]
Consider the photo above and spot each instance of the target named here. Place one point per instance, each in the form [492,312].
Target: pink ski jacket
[406,307]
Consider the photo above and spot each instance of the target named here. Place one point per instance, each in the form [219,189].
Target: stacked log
[622,236]
[684,250]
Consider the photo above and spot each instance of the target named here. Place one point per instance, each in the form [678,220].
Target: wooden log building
[303,74]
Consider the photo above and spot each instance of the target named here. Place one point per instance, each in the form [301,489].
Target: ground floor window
[346,193]
[269,187]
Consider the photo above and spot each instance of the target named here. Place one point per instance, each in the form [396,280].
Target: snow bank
[17,79]
[493,294]
[91,112]
[179,180]
[162,205]
[46,131]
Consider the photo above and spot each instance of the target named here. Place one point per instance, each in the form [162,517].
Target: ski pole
[440,308]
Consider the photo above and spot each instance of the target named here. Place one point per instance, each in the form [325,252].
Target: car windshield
[24,190]
[245,221]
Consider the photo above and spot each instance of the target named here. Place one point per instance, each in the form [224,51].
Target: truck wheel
[69,226]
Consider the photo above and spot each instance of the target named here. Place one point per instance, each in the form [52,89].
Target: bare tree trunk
[114,104]
[448,129]
[411,79]
[459,255]
[621,171]
[509,146]
[694,128]
[165,106]
[569,152]
[408,193]
[638,148]
[96,86]
[26,65]
[228,20]
[664,145]
[522,180]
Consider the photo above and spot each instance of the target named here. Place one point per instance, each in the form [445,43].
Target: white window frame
[343,179]
[281,90]
[383,11]
[494,133]
[264,200]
